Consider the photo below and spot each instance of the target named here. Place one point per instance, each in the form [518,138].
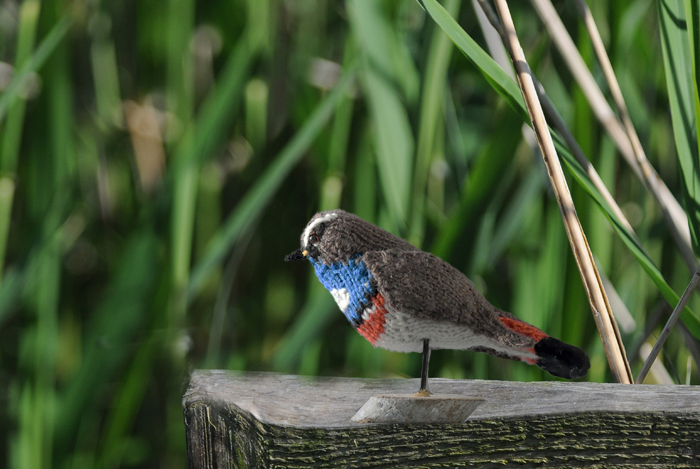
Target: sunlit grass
[168,155]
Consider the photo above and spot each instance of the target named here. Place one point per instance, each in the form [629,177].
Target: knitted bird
[406,300]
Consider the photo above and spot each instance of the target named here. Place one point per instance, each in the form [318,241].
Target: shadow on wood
[267,420]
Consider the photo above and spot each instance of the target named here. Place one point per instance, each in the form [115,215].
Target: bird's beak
[296,255]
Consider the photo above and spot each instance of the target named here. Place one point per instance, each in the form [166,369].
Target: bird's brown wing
[423,285]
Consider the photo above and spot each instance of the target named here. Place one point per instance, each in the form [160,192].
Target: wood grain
[277,421]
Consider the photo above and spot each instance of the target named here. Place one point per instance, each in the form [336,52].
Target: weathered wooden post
[268,420]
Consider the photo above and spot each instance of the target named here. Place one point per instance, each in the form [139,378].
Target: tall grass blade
[393,135]
[7,194]
[258,196]
[127,403]
[112,327]
[482,182]
[432,104]
[332,186]
[41,54]
[692,13]
[318,311]
[196,145]
[394,144]
[678,44]
[492,72]
[624,136]
[689,318]
[600,307]
[185,173]
[47,293]
[690,289]
[554,118]
[220,104]
[443,243]
[12,132]
[653,183]
[509,229]
[105,71]
[380,39]
[10,292]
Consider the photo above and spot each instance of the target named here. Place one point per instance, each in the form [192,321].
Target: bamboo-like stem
[669,326]
[557,122]
[600,307]
[629,147]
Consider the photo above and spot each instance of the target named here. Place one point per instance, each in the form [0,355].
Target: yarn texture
[353,280]
[397,296]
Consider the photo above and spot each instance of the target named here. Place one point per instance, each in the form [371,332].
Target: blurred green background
[159,158]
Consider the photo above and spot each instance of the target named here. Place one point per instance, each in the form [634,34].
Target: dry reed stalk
[633,153]
[600,307]
[556,121]
[650,176]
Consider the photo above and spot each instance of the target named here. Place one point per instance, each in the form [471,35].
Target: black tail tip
[561,359]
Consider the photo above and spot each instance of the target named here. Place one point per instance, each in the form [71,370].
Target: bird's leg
[423,391]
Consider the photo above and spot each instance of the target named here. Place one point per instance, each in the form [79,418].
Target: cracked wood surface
[278,421]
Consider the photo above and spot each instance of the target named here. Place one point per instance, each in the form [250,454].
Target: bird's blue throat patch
[354,278]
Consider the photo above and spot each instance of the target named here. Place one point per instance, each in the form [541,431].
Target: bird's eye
[313,239]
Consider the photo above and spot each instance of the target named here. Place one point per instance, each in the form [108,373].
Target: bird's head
[325,239]
[338,236]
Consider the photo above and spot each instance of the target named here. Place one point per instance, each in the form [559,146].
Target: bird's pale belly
[401,332]
[395,330]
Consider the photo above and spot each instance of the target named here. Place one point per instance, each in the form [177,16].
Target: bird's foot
[423,393]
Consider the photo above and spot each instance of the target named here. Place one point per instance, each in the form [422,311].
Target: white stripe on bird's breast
[405,333]
[341,297]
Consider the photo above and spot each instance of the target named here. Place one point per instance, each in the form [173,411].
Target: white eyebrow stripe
[315,223]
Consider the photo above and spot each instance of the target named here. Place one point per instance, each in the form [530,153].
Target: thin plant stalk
[432,104]
[12,133]
[332,186]
[676,218]
[493,35]
[28,21]
[651,179]
[657,371]
[222,298]
[694,281]
[557,122]
[181,96]
[7,193]
[259,195]
[181,100]
[41,54]
[600,307]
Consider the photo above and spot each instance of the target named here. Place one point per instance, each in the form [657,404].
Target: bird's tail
[554,356]
[561,359]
